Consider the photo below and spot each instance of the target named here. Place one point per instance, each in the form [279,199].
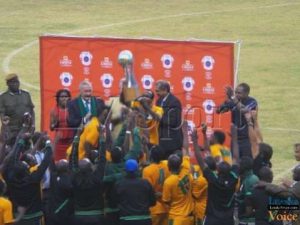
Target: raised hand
[203,128]
[229,92]
[5,120]
[194,135]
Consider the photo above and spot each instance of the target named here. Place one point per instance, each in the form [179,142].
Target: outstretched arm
[73,161]
[252,134]
[254,114]
[13,156]
[99,172]
[39,173]
[205,139]
[200,161]
[235,147]
[185,147]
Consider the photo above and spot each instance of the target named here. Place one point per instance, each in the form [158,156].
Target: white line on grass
[280,129]
[7,60]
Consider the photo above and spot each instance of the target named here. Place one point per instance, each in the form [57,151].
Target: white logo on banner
[65,61]
[167,61]
[106,63]
[147,81]
[147,64]
[107,80]
[208,89]
[187,66]
[209,118]
[208,62]
[208,106]
[188,83]
[66,79]
[86,58]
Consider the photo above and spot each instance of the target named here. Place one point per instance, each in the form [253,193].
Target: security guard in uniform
[14,103]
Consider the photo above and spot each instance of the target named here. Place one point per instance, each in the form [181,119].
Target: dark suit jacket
[75,116]
[170,131]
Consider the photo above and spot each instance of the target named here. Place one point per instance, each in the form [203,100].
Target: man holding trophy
[170,137]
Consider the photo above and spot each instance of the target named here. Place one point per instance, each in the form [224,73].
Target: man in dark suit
[170,132]
[85,106]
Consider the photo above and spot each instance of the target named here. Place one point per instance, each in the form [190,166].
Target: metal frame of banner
[237,63]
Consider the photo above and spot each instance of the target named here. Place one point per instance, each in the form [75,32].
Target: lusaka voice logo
[277,215]
[283,209]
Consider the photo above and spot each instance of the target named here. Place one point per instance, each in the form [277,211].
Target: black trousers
[244,147]
[210,220]
[112,218]
[34,221]
[89,220]
[136,222]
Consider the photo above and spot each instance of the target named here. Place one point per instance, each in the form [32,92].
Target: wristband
[76,139]
[48,143]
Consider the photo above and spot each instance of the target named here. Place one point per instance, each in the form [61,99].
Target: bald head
[62,166]
[85,165]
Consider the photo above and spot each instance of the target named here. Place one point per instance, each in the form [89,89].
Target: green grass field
[269,31]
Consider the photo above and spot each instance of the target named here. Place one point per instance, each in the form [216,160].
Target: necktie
[162,103]
[87,105]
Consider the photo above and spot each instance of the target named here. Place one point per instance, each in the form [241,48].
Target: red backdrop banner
[198,71]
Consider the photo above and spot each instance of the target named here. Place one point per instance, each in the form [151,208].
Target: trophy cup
[130,88]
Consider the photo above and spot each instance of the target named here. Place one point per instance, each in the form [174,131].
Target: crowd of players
[129,163]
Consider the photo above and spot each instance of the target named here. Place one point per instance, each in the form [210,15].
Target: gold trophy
[130,88]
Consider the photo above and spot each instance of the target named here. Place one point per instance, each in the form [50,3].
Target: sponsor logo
[167,61]
[209,119]
[188,110]
[208,62]
[107,80]
[65,61]
[187,66]
[209,132]
[86,70]
[208,89]
[147,81]
[188,83]
[86,58]
[147,64]
[167,73]
[106,63]
[208,106]
[66,79]
[208,75]
[188,96]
